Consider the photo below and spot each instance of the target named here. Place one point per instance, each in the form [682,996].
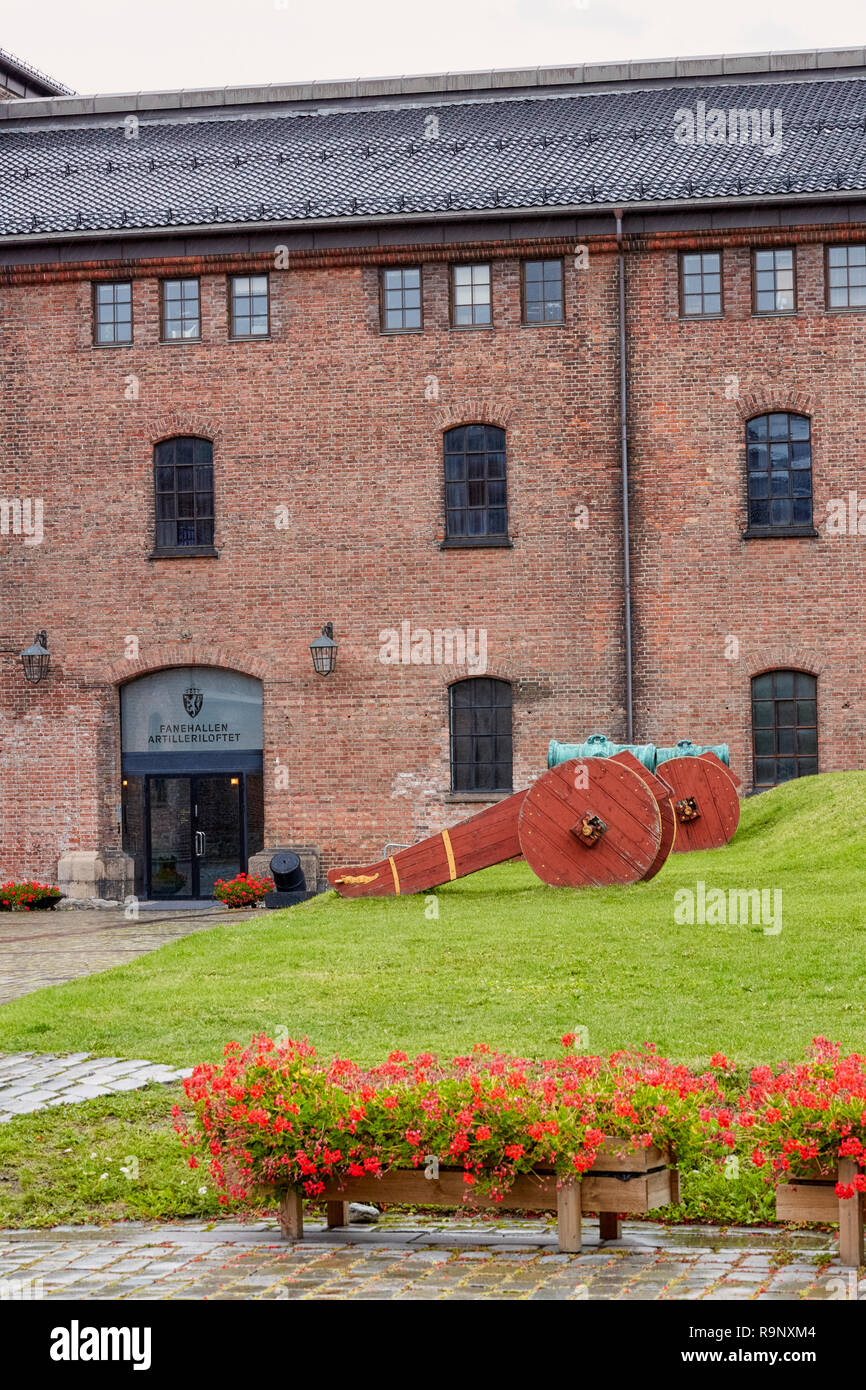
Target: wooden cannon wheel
[705,801]
[589,821]
[663,795]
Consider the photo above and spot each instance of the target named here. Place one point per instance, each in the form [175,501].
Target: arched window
[779,458]
[475,501]
[183,482]
[481,735]
[784,726]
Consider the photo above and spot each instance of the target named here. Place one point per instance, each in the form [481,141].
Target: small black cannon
[290,885]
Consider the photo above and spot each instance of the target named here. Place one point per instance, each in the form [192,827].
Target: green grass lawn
[507,961]
[514,963]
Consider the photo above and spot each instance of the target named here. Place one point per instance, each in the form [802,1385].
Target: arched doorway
[192,803]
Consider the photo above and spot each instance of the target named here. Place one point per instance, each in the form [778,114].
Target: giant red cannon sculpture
[611,817]
[592,821]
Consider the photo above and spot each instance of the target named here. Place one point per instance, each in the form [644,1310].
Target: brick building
[351,353]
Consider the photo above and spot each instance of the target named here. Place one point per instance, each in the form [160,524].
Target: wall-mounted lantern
[35,659]
[324,651]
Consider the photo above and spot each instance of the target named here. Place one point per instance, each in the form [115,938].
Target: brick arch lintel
[461,672]
[474,411]
[173,423]
[786,657]
[184,654]
[769,398]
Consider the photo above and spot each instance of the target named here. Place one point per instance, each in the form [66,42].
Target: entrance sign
[191,718]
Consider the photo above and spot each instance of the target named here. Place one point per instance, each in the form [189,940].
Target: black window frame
[455,476]
[847,247]
[234,335]
[481,323]
[385,290]
[498,779]
[203,516]
[559,279]
[775,252]
[703,274]
[114,286]
[163,302]
[756,442]
[785,710]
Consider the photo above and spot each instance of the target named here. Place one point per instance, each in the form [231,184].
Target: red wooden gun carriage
[587,821]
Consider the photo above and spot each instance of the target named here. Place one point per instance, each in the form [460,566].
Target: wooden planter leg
[850,1219]
[337,1213]
[609,1225]
[568,1218]
[675,1185]
[292,1215]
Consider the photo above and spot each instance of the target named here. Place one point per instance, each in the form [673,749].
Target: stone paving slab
[46,948]
[420,1257]
[32,1081]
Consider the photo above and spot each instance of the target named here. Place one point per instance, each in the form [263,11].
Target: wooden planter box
[622,1181]
[814,1199]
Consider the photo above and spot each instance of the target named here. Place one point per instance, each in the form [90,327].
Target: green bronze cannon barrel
[599,746]
[686,749]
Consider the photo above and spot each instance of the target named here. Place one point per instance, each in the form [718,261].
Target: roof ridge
[28,70]
[805,63]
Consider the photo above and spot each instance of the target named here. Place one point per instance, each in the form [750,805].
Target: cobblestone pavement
[34,1080]
[48,948]
[418,1258]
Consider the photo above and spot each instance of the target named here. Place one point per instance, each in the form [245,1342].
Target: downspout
[626,543]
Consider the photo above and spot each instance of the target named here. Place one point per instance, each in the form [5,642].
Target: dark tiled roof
[585,149]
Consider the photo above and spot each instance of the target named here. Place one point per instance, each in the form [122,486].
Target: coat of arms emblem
[192,701]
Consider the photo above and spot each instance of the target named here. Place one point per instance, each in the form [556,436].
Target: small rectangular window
[701,285]
[773,282]
[470,296]
[181,312]
[543,297]
[249,306]
[401,300]
[846,277]
[112,308]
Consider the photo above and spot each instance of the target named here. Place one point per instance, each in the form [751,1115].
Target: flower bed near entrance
[28,897]
[242,891]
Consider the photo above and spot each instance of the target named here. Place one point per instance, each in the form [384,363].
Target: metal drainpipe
[626,544]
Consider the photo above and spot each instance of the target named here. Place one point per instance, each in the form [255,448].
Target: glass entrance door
[195,834]
[217,827]
[170,855]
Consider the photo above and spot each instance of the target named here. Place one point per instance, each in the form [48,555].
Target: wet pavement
[420,1258]
[48,948]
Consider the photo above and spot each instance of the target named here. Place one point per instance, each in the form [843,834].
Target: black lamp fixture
[35,659]
[324,651]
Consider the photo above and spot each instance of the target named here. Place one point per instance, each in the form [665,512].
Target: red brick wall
[328,418]
[697,583]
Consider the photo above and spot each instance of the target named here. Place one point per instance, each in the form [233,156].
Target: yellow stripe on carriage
[446,840]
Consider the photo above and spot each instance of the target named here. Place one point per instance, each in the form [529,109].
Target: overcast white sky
[111,46]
